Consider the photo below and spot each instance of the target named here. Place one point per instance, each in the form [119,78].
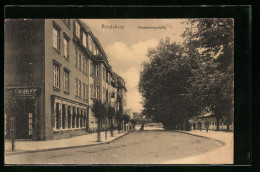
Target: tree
[110,115]
[99,111]
[119,119]
[163,84]
[212,79]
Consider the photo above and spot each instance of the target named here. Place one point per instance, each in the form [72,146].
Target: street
[147,147]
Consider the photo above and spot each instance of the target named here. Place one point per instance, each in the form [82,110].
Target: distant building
[212,121]
[130,113]
[54,69]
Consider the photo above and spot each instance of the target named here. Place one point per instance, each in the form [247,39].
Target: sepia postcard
[119,91]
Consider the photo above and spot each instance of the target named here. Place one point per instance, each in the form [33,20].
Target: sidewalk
[222,155]
[27,146]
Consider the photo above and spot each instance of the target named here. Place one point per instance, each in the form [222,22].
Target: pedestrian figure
[207,126]
[142,127]
[194,126]
[199,124]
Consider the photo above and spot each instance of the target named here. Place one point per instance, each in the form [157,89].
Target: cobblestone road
[148,147]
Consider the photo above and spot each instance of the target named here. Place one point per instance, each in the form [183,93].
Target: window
[84,65]
[77,87]
[97,92]
[91,69]
[84,90]
[90,43]
[66,80]
[66,47]
[107,77]
[94,49]
[86,85]
[91,90]
[77,29]
[106,95]
[97,70]
[30,124]
[113,94]
[79,62]
[84,39]
[56,75]
[104,73]
[56,38]
[67,22]
[76,57]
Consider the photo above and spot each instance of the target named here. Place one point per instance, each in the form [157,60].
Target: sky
[126,43]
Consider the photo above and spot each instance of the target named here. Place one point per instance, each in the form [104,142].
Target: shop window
[84,118]
[30,124]
[58,116]
[74,117]
[80,117]
[77,118]
[63,117]
[69,116]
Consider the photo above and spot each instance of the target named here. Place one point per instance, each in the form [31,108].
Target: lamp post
[12,130]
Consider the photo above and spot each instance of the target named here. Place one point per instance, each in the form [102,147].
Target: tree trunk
[228,126]
[118,127]
[98,133]
[217,124]
[111,127]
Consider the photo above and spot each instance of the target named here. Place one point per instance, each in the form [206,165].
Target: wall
[53,54]
[24,59]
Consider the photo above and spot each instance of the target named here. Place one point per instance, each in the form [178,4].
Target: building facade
[54,69]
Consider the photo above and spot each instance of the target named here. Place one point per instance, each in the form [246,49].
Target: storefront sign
[25,91]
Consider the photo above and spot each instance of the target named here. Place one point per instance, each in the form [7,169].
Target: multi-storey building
[54,69]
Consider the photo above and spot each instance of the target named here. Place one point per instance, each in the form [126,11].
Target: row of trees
[102,112]
[181,81]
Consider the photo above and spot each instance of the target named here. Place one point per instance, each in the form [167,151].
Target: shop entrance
[23,112]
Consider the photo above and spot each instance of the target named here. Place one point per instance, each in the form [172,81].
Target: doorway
[23,111]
